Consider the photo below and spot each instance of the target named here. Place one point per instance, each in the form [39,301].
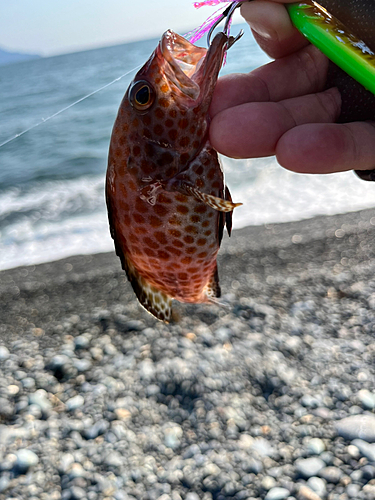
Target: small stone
[362,377]
[305,493]
[114,459]
[318,485]
[28,383]
[77,493]
[40,399]
[369,491]
[192,496]
[309,401]
[315,446]
[81,342]
[367,399]
[327,457]
[353,451]
[277,494]
[356,476]
[357,427]
[76,470]
[65,462]
[262,447]
[366,449]
[331,474]
[96,430]
[152,390]
[25,460]
[352,490]
[308,467]
[13,390]
[245,441]
[122,414]
[6,409]
[4,353]
[172,436]
[4,483]
[252,465]
[223,334]
[268,483]
[74,403]
[82,365]
[368,472]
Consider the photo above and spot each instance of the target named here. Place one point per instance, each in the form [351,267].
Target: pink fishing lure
[196,34]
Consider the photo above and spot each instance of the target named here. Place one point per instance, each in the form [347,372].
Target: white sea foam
[68,218]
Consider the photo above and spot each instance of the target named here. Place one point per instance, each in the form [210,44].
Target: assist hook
[227,15]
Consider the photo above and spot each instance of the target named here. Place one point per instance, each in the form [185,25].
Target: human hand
[281,108]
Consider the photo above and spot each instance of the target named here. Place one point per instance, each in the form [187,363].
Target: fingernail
[262,31]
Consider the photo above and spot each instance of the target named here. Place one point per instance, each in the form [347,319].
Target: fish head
[165,108]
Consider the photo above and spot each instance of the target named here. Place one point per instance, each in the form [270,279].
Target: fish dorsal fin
[228,215]
[213,201]
[212,289]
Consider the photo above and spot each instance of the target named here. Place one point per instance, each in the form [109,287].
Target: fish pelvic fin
[220,204]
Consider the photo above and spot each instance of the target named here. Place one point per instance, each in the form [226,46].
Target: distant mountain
[14,57]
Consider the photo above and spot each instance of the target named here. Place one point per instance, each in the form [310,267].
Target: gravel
[269,396]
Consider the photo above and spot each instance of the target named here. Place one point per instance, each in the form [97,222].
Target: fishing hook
[227,15]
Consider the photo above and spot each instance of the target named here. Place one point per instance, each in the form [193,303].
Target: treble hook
[227,15]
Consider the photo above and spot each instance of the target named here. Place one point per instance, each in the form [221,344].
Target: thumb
[272,28]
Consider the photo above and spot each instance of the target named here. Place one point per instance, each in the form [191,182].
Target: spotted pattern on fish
[166,197]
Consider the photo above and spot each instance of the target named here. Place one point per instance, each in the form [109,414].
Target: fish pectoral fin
[212,289]
[213,201]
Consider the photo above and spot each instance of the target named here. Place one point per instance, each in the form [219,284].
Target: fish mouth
[191,68]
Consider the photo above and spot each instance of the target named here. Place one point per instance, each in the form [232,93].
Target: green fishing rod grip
[332,38]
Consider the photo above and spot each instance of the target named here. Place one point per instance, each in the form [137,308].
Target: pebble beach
[270,395]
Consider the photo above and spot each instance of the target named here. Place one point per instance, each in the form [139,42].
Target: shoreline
[73,274]
[270,395]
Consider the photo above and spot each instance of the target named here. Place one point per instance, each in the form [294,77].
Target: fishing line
[44,120]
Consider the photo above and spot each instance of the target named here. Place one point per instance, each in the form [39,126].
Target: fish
[358,16]
[166,196]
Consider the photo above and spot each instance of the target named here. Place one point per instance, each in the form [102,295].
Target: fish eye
[141,95]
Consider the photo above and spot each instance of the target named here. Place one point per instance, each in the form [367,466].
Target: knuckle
[310,64]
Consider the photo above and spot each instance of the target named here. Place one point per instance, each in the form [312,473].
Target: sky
[50,27]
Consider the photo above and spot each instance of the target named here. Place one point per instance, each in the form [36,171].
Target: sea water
[52,178]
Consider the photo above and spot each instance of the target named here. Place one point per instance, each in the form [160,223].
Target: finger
[272,28]
[328,148]
[304,72]
[253,129]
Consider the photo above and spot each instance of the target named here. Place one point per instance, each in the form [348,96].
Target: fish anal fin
[153,300]
[212,289]
[228,215]
[157,303]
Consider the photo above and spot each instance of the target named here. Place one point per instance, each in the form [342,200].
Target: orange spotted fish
[166,197]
